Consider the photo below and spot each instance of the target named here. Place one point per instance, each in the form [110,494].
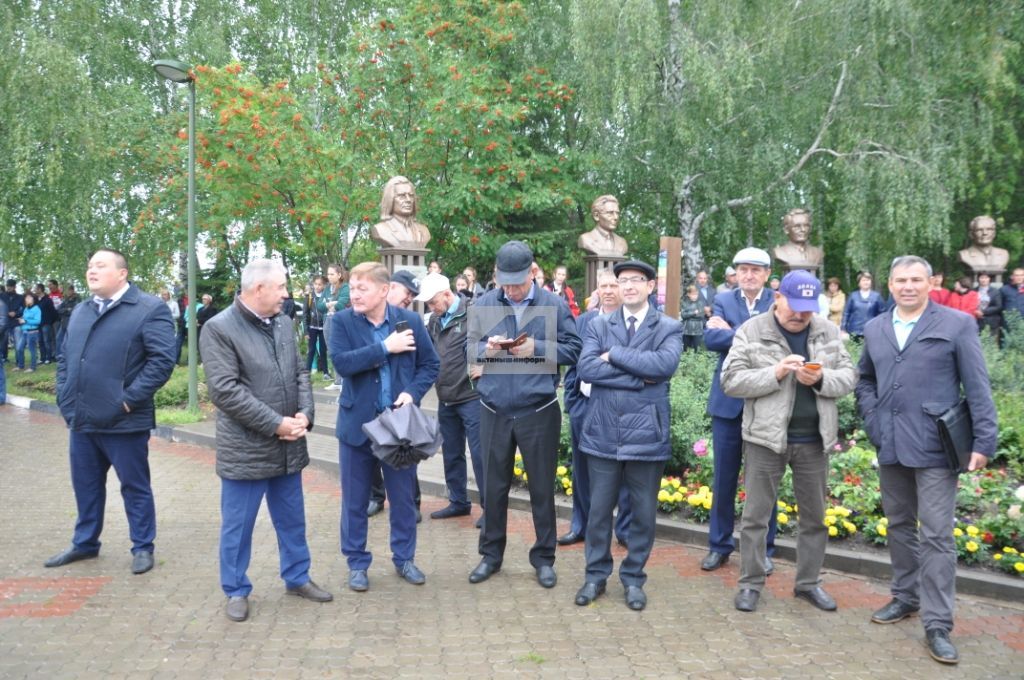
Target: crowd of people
[495,357]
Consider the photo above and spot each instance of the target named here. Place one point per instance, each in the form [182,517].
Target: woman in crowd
[863,305]
[836,301]
[691,313]
[31,319]
[559,287]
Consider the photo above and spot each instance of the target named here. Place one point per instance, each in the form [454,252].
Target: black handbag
[957,434]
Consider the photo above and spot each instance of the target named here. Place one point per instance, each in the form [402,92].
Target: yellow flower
[663,496]
[704,490]
[677,497]
[568,492]
[830,522]
[971,546]
[997,557]
[676,484]
[958,532]
[519,457]
[524,476]
[1019,567]
[972,530]
[781,504]
[796,509]
[830,512]
[884,520]
[1008,549]
[850,527]
[694,500]
[517,472]
[561,470]
[782,518]
[832,531]
[882,531]
[707,504]
[565,483]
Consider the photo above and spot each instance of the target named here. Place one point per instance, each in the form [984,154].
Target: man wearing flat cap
[628,358]
[730,310]
[521,334]
[790,366]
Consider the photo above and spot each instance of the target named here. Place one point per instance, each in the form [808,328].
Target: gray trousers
[642,479]
[762,473]
[923,558]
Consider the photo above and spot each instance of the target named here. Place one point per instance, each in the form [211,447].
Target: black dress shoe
[311,591]
[621,541]
[419,516]
[570,538]
[480,522]
[237,608]
[546,576]
[713,561]
[451,510]
[374,508]
[589,592]
[636,598]
[939,646]
[68,556]
[142,562]
[818,597]
[746,600]
[483,571]
[893,612]
[769,566]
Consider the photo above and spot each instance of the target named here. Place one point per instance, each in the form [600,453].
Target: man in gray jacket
[790,367]
[916,359]
[264,402]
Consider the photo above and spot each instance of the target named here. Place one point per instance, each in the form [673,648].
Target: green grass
[171,400]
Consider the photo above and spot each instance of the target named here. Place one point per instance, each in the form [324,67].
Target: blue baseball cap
[801,290]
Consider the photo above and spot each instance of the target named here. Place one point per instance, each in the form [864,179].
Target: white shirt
[113,298]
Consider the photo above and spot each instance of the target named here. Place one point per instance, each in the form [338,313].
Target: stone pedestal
[811,267]
[414,260]
[596,263]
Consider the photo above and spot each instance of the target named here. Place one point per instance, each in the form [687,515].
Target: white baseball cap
[754,256]
[431,285]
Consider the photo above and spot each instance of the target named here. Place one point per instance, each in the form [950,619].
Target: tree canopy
[895,123]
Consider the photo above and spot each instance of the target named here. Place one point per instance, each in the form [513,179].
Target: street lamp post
[179,72]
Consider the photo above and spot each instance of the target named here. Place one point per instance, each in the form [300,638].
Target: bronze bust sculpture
[398,227]
[602,239]
[981,255]
[797,253]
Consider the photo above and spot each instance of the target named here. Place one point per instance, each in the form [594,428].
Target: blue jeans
[47,343]
[459,423]
[240,501]
[30,338]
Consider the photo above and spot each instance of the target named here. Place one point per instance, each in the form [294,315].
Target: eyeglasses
[623,280]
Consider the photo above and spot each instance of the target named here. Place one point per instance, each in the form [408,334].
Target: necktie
[631,331]
[105,304]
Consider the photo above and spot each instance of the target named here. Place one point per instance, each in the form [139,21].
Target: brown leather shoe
[311,591]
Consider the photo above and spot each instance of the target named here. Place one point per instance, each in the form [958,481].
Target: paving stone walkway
[94,619]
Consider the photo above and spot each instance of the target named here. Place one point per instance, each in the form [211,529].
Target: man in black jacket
[262,420]
[458,408]
[47,328]
[522,334]
[117,354]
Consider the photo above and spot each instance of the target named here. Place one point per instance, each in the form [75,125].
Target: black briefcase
[957,435]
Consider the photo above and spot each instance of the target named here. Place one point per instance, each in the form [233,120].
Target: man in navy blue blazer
[730,310]
[118,351]
[383,367]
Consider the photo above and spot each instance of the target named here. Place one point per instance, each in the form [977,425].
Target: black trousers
[536,436]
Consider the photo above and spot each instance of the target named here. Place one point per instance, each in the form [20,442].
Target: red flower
[474,239]
[988,538]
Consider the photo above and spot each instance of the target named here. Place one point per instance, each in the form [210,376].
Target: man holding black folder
[917,357]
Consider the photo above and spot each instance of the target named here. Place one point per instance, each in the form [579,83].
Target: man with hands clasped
[789,366]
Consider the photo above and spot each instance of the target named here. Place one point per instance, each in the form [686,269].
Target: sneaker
[30,370]
[333,386]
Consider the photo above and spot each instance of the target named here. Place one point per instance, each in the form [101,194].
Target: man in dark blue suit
[383,366]
[1013,298]
[577,400]
[917,359]
[731,309]
[118,351]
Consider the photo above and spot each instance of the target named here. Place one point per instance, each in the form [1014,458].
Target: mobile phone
[401,326]
[509,344]
[812,366]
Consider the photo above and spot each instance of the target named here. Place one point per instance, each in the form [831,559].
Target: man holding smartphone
[387,361]
[789,367]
